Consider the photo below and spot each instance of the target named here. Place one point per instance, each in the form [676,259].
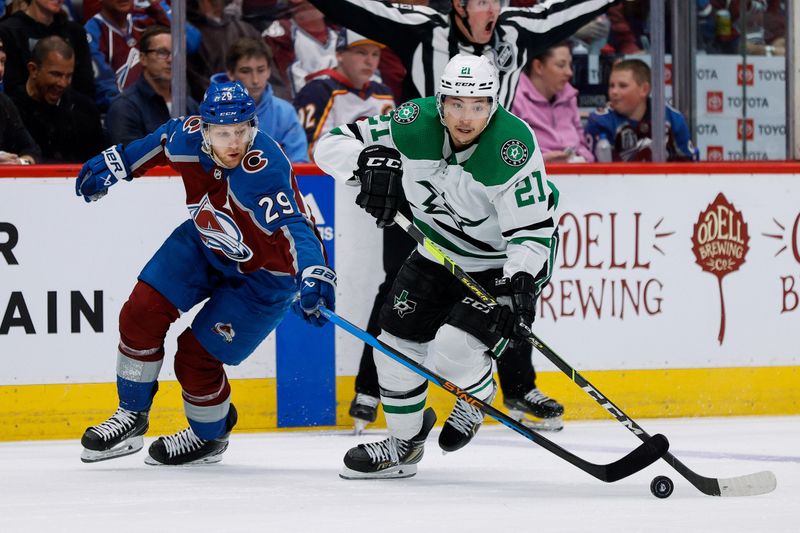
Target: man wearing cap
[346,93]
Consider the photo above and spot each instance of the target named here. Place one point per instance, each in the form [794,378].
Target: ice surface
[288,481]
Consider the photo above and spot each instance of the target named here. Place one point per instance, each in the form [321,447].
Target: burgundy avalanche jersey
[250,217]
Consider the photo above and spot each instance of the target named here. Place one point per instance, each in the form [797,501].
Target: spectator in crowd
[42,18]
[17,147]
[248,61]
[546,100]
[303,45]
[113,39]
[220,31]
[145,106]
[764,26]
[625,123]
[346,93]
[63,122]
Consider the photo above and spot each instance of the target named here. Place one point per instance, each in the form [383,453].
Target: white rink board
[65,245]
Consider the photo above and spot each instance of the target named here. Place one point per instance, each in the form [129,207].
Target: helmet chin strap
[465,20]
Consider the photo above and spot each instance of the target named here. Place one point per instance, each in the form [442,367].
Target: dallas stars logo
[436,204]
[514,153]
[403,305]
[406,113]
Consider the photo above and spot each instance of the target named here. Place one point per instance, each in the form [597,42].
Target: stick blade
[749,485]
[646,454]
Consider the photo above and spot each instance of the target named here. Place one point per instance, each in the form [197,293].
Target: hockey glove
[101,172]
[317,289]
[380,171]
[514,321]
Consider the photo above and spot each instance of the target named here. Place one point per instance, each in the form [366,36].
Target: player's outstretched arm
[101,172]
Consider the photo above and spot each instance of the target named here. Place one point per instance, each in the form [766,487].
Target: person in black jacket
[42,18]
[425,39]
[64,122]
[17,147]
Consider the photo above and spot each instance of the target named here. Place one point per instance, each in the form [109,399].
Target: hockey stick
[642,457]
[746,485]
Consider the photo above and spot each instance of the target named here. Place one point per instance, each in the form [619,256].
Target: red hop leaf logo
[720,244]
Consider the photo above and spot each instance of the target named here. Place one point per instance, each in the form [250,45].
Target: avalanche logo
[219,231]
[225,331]
[253,161]
[192,124]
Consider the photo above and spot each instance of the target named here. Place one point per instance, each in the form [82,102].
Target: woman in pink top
[547,102]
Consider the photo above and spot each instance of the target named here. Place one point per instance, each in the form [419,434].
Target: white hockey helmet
[468,75]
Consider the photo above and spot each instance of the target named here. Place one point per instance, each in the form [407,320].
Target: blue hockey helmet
[227,103]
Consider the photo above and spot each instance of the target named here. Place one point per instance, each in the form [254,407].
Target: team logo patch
[514,153]
[254,161]
[403,305]
[406,113]
[192,124]
[217,174]
[219,231]
[225,331]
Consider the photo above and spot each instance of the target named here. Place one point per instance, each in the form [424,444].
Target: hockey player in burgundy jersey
[249,246]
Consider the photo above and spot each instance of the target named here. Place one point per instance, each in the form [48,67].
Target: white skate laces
[536,396]
[183,442]
[120,422]
[386,450]
[464,417]
[366,399]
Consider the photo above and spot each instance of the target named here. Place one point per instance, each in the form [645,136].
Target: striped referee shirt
[426,39]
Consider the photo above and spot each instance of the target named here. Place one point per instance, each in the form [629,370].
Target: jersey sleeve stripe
[533,227]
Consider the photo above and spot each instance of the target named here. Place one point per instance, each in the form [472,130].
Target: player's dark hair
[149,33]
[637,67]
[54,43]
[244,48]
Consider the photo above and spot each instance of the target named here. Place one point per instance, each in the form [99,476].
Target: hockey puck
[661,487]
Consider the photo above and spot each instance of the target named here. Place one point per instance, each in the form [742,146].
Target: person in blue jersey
[626,122]
[249,246]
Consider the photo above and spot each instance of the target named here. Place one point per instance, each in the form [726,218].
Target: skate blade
[203,461]
[126,447]
[537,424]
[395,472]
[359,426]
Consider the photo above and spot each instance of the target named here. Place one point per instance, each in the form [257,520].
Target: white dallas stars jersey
[488,206]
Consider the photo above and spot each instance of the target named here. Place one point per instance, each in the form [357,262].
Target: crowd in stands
[75,80]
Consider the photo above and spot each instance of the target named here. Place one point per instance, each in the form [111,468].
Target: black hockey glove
[514,322]
[380,170]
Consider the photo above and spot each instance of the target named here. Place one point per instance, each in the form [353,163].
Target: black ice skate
[462,424]
[389,458]
[536,411]
[186,448]
[120,435]
[364,410]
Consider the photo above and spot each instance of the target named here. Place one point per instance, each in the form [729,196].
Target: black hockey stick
[746,485]
[642,457]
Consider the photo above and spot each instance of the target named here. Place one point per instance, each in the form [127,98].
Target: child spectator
[145,106]
[546,100]
[42,18]
[63,122]
[114,39]
[346,93]
[625,122]
[248,61]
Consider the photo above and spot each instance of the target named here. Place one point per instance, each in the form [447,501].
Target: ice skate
[462,425]
[536,411]
[122,434]
[186,448]
[364,410]
[389,458]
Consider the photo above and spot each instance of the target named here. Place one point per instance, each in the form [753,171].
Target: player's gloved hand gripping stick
[101,172]
[747,485]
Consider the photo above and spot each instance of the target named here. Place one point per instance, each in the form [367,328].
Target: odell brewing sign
[720,243]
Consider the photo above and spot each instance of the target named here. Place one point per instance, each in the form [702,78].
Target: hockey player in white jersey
[477,186]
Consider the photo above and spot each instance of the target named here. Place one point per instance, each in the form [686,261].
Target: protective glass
[467,110]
